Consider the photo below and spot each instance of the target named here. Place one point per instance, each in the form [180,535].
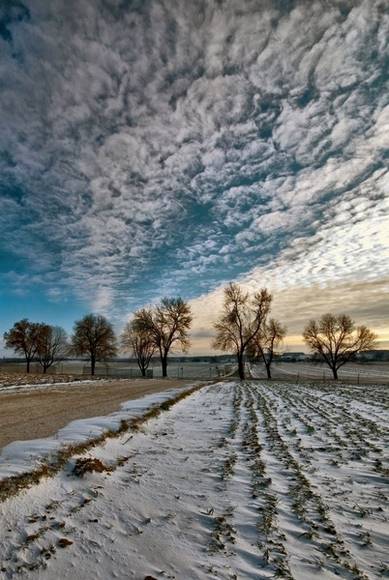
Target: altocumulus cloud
[151,147]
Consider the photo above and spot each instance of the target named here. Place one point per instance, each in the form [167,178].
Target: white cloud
[117,123]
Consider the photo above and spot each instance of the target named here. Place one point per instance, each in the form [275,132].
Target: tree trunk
[241,367]
[335,373]
[28,365]
[268,371]
[164,365]
[92,366]
[143,371]
[44,369]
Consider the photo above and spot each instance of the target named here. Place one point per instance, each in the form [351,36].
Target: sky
[155,148]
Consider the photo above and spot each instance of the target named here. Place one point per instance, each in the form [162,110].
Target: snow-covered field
[353,372]
[46,385]
[249,480]
[14,380]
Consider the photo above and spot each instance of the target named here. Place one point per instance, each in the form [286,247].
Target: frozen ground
[235,481]
[15,380]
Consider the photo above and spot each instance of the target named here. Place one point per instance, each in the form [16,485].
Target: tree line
[152,330]
[243,328]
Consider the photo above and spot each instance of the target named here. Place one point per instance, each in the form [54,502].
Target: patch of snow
[24,456]
[43,386]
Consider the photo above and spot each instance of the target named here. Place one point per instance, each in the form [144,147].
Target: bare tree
[168,323]
[94,336]
[337,340]
[241,320]
[140,343]
[23,338]
[52,343]
[267,340]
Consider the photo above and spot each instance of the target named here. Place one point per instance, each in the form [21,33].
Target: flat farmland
[115,369]
[238,480]
[352,372]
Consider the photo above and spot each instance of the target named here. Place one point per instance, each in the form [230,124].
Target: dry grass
[89,465]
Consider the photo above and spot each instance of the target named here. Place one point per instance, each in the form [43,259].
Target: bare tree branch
[140,343]
[23,338]
[52,343]
[94,336]
[168,324]
[263,346]
[240,321]
[337,340]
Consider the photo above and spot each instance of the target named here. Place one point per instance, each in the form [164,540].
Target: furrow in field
[307,503]
[269,538]
[354,491]
[351,432]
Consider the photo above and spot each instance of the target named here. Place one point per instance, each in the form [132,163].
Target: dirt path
[42,412]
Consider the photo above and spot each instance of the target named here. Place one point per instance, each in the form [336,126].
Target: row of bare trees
[244,328]
[158,329]
[154,329]
[37,341]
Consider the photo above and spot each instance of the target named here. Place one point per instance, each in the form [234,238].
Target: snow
[36,387]
[247,480]
[23,456]
[354,372]
[53,385]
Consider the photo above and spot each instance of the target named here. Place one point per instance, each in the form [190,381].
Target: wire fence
[130,370]
[118,370]
[295,372]
[193,370]
[183,371]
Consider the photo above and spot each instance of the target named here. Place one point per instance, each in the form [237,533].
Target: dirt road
[40,412]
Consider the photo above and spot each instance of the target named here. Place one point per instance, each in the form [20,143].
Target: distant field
[189,370]
[353,372]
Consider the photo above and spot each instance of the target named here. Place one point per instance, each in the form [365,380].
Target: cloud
[166,146]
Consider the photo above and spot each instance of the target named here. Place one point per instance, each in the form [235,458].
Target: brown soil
[43,411]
